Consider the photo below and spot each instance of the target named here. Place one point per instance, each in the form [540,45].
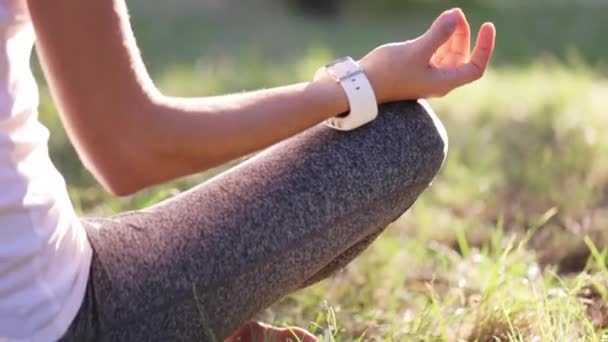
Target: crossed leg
[198,266]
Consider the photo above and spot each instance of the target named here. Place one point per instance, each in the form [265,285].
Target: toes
[296,334]
[260,332]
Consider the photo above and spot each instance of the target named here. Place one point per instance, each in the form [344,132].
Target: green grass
[508,243]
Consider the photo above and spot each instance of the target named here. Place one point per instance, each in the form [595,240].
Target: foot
[260,332]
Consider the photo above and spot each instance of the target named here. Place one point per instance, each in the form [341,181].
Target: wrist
[332,95]
[352,79]
[373,80]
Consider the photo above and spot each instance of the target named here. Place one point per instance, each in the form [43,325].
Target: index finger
[476,66]
[457,50]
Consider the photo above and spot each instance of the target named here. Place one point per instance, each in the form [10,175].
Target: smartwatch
[358,89]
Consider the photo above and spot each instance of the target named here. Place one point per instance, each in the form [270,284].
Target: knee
[437,129]
[423,138]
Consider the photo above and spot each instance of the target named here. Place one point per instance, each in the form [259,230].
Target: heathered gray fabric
[195,267]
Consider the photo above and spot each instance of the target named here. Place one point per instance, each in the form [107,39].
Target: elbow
[114,135]
[119,156]
[119,187]
[118,178]
[119,167]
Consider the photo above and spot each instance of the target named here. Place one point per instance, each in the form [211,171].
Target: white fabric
[44,253]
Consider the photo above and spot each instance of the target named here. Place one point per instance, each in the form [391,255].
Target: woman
[198,266]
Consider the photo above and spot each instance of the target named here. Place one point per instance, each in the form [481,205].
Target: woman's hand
[433,64]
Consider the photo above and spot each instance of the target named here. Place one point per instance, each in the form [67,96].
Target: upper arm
[96,75]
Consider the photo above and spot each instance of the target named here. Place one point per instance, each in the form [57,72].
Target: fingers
[484,47]
[439,33]
[459,46]
[475,68]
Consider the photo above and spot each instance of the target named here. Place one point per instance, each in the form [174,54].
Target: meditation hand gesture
[433,64]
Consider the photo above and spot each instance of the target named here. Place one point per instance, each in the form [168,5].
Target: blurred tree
[317,7]
[383,7]
[391,6]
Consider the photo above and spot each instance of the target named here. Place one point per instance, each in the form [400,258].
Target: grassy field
[508,243]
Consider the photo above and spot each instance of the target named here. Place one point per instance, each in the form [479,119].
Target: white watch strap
[361,96]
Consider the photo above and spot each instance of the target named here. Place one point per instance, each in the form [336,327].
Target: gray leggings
[197,266]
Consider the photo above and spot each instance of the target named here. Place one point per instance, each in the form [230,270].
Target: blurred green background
[522,198]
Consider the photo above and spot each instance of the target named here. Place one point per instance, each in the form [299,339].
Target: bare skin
[258,332]
[103,91]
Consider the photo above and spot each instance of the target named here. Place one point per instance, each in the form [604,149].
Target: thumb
[440,31]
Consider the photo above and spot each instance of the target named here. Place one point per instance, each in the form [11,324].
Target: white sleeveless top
[44,253]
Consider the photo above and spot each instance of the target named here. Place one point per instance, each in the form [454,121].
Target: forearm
[130,136]
[184,136]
